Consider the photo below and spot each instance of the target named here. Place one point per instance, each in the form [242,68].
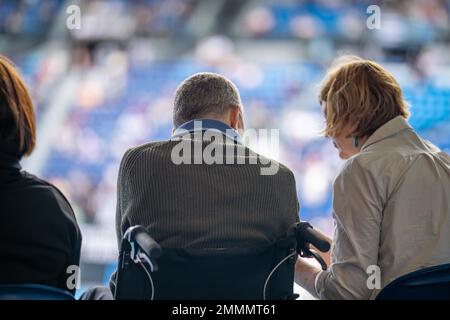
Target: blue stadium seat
[431,283]
[33,292]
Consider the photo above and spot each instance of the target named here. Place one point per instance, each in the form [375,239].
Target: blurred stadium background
[107,86]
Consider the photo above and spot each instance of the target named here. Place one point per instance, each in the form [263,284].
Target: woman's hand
[305,272]
[305,275]
[326,256]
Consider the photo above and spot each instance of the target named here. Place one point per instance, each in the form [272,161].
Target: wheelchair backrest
[217,274]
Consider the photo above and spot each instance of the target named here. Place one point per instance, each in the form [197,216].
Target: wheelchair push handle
[148,244]
[307,234]
[143,248]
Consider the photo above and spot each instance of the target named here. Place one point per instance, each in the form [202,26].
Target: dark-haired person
[391,200]
[39,237]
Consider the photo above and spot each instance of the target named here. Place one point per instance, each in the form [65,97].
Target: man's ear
[234,117]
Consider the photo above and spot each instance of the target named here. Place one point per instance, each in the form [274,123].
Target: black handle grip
[139,235]
[147,244]
[306,234]
[319,259]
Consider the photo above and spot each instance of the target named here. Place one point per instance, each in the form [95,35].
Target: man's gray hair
[204,94]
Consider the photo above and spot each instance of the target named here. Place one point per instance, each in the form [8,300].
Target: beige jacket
[391,208]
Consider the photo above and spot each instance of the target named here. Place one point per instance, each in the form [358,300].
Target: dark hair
[17,119]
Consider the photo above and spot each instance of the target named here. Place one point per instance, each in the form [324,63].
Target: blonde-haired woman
[391,200]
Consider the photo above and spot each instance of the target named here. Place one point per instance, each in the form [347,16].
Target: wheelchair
[147,271]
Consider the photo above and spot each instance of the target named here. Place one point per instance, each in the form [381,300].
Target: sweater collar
[9,167]
[9,161]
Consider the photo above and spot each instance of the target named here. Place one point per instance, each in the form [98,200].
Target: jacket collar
[207,124]
[390,128]
[9,167]
[8,161]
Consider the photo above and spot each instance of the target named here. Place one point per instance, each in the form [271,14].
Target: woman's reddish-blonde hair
[17,119]
[358,96]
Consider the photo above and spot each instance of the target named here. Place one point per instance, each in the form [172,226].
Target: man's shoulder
[162,152]
[282,169]
[150,146]
[146,150]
